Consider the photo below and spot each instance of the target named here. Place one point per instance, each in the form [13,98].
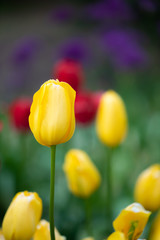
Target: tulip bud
[88,238]
[147,188]
[43,232]
[52,119]
[131,221]
[111,123]
[82,175]
[69,71]
[155,228]
[19,113]
[22,216]
[117,236]
[85,109]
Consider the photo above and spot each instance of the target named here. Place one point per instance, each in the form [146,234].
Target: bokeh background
[117,45]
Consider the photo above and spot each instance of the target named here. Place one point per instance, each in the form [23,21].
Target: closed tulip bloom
[147,188]
[69,71]
[117,236]
[111,123]
[155,229]
[88,238]
[131,221]
[52,118]
[82,175]
[22,216]
[19,112]
[43,232]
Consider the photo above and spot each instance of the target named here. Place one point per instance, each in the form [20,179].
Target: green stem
[88,216]
[109,185]
[52,179]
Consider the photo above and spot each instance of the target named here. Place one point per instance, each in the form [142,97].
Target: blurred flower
[131,221]
[19,112]
[1,235]
[22,216]
[147,190]
[70,72]
[155,228]
[52,118]
[117,236]
[62,13]
[88,238]
[85,108]
[74,49]
[24,51]
[1,126]
[124,49]
[111,123]
[43,232]
[96,96]
[109,9]
[82,175]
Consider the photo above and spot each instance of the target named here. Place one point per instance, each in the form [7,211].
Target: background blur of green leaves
[118,47]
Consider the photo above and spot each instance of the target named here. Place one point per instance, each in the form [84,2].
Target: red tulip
[69,71]
[19,113]
[85,109]
[96,98]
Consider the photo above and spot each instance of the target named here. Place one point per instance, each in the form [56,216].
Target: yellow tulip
[52,118]
[82,175]
[43,232]
[117,236]
[1,235]
[131,221]
[88,238]
[147,188]
[111,122]
[155,229]
[22,216]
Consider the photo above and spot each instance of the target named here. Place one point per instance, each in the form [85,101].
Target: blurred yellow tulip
[131,221]
[111,122]
[22,216]
[147,188]
[82,175]
[52,118]
[43,232]
[1,235]
[88,238]
[155,228]
[117,236]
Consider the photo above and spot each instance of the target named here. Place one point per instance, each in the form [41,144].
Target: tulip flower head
[19,112]
[111,124]
[43,232]
[147,188]
[117,236]
[71,72]
[131,221]
[88,238]
[52,118]
[22,216]
[82,175]
[85,109]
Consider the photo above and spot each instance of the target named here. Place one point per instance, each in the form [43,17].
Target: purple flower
[74,49]
[111,9]
[123,49]
[24,51]
[62,13]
